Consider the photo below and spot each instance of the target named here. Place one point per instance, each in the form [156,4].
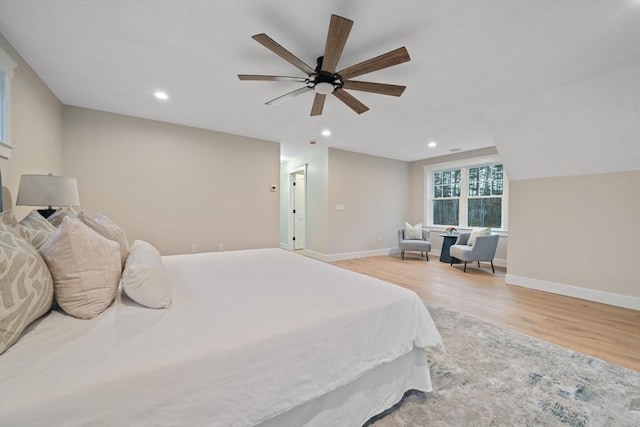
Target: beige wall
[171,185]
[374,193]
[36,128]
[581,231]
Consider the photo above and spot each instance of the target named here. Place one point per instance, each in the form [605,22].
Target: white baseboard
[350,255]
[284,246]
[575,292]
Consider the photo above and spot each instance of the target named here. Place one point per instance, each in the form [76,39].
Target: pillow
[26,288]
[105,227]
[144,279]
[412,232]
[56,218]
[10,224]
[85,268]
[37,222]
[478,232]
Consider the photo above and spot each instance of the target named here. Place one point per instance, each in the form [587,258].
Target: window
[6,73]
[484,203]
[466,193]
[446,197]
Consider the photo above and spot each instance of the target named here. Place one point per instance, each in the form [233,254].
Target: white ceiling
[467,57]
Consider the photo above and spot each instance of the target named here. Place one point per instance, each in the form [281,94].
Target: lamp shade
[47,190]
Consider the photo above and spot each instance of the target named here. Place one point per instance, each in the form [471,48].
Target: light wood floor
[606,332]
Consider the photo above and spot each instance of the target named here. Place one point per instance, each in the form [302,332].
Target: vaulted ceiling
[525,76]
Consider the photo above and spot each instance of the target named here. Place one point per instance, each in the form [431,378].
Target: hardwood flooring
[603,331]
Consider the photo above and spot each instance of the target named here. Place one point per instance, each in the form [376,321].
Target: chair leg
[402,254]
[465,267]
[451,263]
[427,255]
[493,269]
[478,264]
[421,254]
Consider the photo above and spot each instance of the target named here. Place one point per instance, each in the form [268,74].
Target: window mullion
[464,194]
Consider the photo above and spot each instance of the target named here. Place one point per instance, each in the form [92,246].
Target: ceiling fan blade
[381,88]
[352,102]
[385,60]
[258,77]
[339,29]
[318,104]
[283,53]
[286,96]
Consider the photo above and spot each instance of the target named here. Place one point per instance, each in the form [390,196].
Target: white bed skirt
[358,401]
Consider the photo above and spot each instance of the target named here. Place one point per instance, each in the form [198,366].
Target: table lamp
[47,190]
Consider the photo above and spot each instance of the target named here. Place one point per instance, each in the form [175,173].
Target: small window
[446,197]
[484,204]
[6,73]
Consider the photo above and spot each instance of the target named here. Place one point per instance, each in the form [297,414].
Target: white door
[299,215]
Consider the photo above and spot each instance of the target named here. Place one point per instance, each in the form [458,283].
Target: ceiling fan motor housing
[325,83]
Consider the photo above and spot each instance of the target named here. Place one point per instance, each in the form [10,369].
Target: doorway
[298,208]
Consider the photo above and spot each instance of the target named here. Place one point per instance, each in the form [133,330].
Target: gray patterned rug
[492,376]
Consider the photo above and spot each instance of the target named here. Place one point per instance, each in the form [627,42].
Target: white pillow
[144,278]
[478,232]
[85,268]
[101,224]
[413,232]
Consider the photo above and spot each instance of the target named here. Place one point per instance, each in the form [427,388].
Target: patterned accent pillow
[37,222]
[413,232]
[144,279]
[35,237]
[85,268]
[101,224]
[476,233]
[56,218]
[26,288]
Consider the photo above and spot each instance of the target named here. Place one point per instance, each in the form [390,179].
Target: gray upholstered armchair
[483,249]
[423,246]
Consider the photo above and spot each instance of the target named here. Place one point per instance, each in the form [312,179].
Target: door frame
[290,216]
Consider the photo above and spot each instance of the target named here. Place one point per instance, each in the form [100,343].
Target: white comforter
[250,334]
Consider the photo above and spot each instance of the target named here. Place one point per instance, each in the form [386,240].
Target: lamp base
[46,212]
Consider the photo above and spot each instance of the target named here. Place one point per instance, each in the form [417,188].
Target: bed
[258,337]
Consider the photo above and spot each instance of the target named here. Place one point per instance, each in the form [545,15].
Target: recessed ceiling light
[161,95]
[432,144]
[326,132]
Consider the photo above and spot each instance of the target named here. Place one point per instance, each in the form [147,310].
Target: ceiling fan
[323,79]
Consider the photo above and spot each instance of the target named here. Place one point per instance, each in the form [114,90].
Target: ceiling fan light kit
[324,80]
[324,88]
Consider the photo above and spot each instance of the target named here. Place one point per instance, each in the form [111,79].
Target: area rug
[491,376]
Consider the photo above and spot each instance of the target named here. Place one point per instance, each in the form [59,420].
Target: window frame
[464,165]
[7,65]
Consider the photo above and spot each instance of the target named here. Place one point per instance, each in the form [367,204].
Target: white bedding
[250,335]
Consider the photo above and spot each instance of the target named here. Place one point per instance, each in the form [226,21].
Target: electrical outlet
[194,248]
[221,247]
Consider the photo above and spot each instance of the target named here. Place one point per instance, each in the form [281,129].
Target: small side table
[447,241]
